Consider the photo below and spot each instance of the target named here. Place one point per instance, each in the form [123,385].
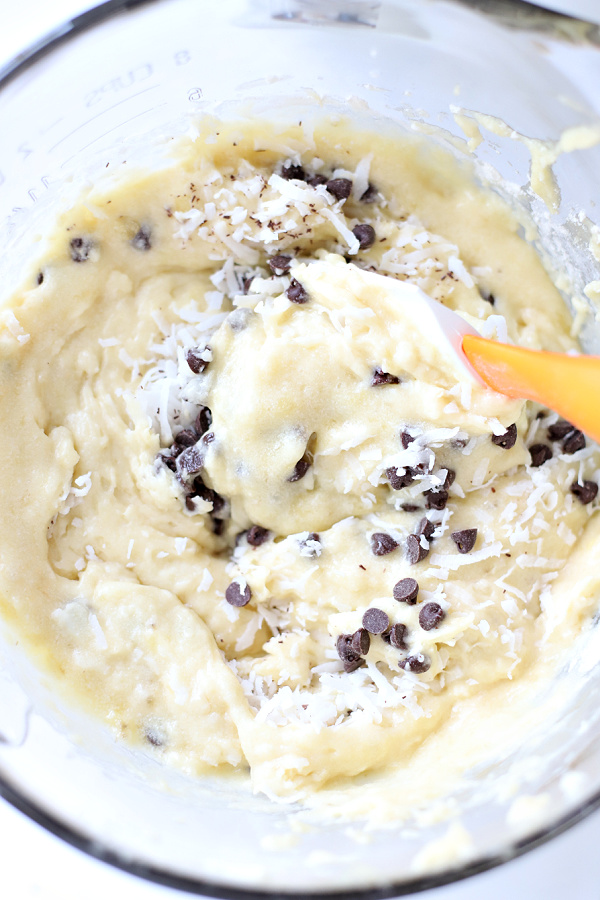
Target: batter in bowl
[253,514]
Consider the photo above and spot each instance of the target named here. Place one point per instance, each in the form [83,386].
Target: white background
[36,866]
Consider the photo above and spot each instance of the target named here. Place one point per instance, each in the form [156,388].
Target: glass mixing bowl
[114,85]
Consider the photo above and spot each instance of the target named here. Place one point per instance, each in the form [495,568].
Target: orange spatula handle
[568,384]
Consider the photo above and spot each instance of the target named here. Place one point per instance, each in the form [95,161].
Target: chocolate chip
[422,468]
[417,664]
[506,440]
[168,461]
[406,591]
[398,481]
[409,507]
[310,551]
[353,665]
[142,240]
[465,539]
[293,170]
[436,499]
[239,319]
[540,453]
[398,636]
[315,179]
[279,265]
[154,738]
[218,525]
[585,492]
[300,470]
[217,501]
[430,616]
[560,430]
[450,478]
[343,645]
[365,234]
[176,449]
[425,527]
[573,442]
[296,292]
[381,377]
[190,461]
[370,195]
[406,439]
[257,535]
[376,621]
[81,249]
[489,298]
[415,552]
[237,595]
[361,641]
[340,188]
[186,438]
[349,657]
[203,420]
[194,360]
[40,277]
[246,282]
[382,543]
[199,489]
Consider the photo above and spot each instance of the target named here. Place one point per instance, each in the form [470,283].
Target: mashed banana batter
[252,512]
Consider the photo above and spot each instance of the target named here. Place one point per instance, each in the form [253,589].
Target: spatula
[570,385]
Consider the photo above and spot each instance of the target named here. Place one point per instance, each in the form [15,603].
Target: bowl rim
[100,851]
[97,849]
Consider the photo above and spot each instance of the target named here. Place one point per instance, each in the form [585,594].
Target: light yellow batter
[206,483]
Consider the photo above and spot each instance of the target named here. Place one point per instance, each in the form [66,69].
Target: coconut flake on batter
[15,327]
